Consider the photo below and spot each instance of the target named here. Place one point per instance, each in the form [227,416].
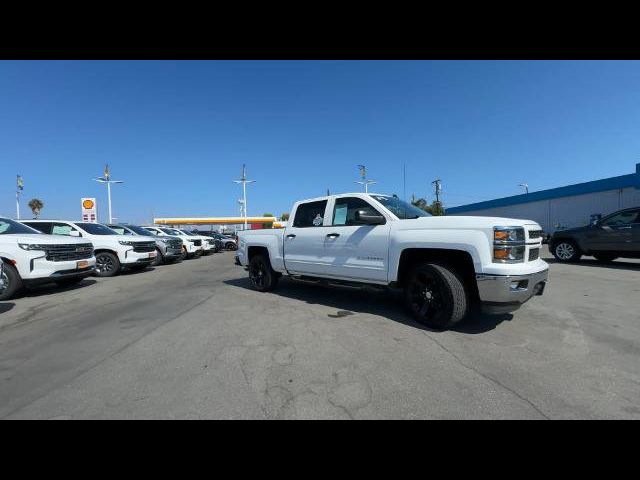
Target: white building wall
[566,212]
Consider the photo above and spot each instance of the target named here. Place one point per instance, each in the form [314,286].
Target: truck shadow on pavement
[348,302]
[53,289]
[588,262]
[5,307]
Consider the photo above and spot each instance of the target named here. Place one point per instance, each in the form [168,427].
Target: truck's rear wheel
[107,264]
[11,281]
[263,277]
[435,296]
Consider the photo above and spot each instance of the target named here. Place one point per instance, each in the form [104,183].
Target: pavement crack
[487,377]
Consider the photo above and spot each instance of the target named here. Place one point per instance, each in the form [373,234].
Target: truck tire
[107,264]
[159,260]
[605,257]
[435,296]
[566,251]
[12,281]
[263,278]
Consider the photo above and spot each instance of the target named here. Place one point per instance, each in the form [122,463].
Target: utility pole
[364,181]
[19,188]
[526,187]
[437,183]
[106,178]
[243,180]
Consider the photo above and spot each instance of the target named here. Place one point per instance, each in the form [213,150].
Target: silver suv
[169,249]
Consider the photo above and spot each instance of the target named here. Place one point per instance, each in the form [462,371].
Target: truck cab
[443,264]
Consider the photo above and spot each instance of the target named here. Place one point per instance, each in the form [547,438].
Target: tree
[267,225]
[436,209]
[284,217]
[36,205]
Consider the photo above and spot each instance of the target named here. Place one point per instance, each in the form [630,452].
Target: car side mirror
[74,233]
[366,217]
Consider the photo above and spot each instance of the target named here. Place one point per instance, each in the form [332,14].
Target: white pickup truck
[444,265]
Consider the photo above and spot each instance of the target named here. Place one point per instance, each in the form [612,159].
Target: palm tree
[36,205]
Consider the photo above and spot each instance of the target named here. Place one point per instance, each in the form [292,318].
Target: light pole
[364,181]
[19,188]
[106,178]
[526,187]
[243,180]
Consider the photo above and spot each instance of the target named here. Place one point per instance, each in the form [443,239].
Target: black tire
[159,260]
[263,278]
[605,257]
[230,246]
[183,255]
[435,296]
[69,282]
[566,251]
[107,264]
[12,281]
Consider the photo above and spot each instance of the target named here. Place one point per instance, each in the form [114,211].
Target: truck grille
[175,244]
[534,254]
[535,234]
[65,252]
[141,247]
[198,243]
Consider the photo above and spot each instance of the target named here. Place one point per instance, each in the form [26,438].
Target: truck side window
[44,227]
[344,213]
[310,214]
[61,229]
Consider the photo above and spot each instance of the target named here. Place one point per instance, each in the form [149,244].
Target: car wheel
[69,282]
[11,280]
[159,260]
[605,257]
[107,264]
[183,255]
[566,251]
[435,296]
[263,278]
[231,246]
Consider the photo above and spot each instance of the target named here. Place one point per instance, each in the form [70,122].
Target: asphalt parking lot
[192,340]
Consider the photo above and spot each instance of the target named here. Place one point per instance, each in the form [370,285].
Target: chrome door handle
[291,235]
[333,235]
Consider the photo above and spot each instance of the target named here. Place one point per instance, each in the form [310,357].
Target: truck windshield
[96,229]
[402,210]
[140,230]
[170,231]
[8,227]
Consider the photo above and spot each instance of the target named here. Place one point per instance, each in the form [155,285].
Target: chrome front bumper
[505,293]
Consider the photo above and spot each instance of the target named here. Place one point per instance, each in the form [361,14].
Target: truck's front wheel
[11,284]
[435,296]
[263,277]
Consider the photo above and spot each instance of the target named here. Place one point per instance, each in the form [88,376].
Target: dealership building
[563,207]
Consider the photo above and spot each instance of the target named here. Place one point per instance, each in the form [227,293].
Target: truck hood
[43,239]
[465,222]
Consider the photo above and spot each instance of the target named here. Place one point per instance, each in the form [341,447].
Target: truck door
[304,240]
[352,249]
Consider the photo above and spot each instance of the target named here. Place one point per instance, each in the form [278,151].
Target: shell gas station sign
[89,210]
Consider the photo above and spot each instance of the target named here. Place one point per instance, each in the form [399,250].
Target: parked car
[208,243]
[213,235]
[113,253]
[607,238]
[228,243]
[442,264]
[191,246]
[168,249]
[27,257]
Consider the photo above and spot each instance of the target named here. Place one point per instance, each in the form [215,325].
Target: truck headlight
[124,242]
[508,254]
[31,246]
[508,234]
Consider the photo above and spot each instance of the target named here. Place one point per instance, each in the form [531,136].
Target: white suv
[191,244]
[113,252]
[27,258]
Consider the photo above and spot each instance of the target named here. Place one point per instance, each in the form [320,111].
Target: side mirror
[74,233]
[366,217]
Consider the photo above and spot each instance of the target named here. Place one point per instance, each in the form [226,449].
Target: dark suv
[616,235]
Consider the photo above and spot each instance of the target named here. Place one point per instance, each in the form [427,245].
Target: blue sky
[177,132]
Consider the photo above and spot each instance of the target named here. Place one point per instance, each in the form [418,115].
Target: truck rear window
[310,214]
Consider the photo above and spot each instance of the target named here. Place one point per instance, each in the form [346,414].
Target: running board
[338,283]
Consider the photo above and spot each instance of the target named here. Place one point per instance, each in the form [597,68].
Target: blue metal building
[563,207]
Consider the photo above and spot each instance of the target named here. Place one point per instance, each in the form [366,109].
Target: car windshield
[96,229]
[140,230]
[171,231]
[402,210]
[8,227]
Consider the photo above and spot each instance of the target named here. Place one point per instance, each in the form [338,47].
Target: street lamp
[526,187]
[106,178]
[243,180]
[364,181]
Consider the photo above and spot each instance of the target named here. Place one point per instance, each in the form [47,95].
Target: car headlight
[31,246]
[508,244]
[164,240]
[508,234]
[508,254]
[125,242]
